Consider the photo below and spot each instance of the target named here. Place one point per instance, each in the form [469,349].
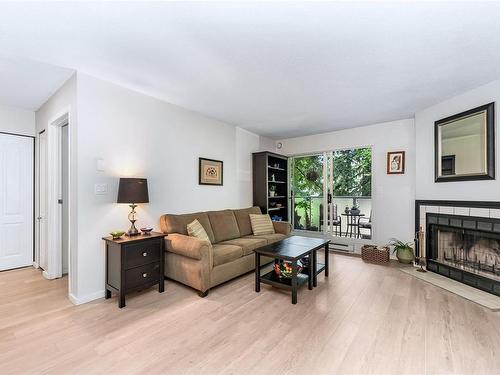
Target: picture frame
[396,162]
[210,172]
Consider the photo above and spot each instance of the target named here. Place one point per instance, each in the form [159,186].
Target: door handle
[39,218]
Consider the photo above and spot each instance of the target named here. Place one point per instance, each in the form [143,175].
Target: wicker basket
[374,254]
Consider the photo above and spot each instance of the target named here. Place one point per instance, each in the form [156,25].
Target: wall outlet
[100,189]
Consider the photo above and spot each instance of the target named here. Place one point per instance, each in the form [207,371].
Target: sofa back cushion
[170,223]
[224,225]
[261,224]
[195,229]
[243,219]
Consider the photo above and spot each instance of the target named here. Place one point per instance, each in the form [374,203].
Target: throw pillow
[195,229]
[261,224]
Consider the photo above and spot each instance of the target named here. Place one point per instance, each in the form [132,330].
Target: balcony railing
[308,215]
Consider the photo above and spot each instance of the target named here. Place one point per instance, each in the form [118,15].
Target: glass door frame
[291,192]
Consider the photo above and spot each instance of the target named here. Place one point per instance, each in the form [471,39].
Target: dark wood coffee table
[292,249]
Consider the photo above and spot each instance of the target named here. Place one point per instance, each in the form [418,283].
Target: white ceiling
[277,69]
[28,84]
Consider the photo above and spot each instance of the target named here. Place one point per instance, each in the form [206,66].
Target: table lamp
[133,191]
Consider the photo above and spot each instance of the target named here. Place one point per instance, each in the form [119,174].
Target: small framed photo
[396,162]
[210,172]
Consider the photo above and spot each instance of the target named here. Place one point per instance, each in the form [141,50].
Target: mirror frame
[490,145]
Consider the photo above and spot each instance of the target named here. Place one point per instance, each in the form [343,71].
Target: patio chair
[336,222]
[365,223]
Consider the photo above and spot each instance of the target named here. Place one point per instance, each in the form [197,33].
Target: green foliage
[400,245]
[351,177]
[352,172]
[302,186]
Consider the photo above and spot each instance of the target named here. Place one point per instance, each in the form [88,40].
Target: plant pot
[404,256]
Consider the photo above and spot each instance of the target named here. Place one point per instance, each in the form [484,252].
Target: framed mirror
[465,145]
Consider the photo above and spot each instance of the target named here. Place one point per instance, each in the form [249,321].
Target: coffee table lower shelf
[272,279]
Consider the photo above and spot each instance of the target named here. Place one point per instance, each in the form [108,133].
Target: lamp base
[131,216]
[133,231]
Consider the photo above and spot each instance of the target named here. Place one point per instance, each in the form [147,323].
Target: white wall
[426,188]
[17,120]
[64,101]
[140,136]
[393,196]
[267,144]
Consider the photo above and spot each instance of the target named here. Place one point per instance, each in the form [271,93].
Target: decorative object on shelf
[116,234]
[403,250]
[210,172]
[284,269]
[279,205]
[133,191]
[276,218]
[272,191]
[375,254]
[456,159]
[272,204]
[347,210]
[396,162]
[146,230]
[272,177]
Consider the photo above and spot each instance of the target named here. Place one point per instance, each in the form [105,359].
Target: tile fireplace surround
[442,221]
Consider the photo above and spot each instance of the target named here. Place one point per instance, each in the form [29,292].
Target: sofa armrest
[283,227]
[187,246]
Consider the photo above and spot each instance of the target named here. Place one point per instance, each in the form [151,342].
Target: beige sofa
[203,265]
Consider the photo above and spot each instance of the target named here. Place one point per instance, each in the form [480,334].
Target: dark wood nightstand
[134,263]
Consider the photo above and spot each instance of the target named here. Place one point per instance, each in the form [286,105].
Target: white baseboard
[87,298]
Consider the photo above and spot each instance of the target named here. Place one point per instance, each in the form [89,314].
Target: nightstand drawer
[142,275]
[142,253]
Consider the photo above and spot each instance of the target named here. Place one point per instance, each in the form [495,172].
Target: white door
[16,201]
[42,199]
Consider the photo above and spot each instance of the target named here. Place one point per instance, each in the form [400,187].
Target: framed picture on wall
[210,172]
[396,162]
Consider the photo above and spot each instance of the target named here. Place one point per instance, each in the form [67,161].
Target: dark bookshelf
[270,173]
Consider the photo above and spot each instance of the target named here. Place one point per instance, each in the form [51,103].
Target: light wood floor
[366,319]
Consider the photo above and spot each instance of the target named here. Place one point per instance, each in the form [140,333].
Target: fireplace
[466,249]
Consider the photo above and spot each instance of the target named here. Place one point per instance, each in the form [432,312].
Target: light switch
[100,165]
[100,189]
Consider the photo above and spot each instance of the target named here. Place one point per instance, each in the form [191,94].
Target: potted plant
[403,250]
[272,191]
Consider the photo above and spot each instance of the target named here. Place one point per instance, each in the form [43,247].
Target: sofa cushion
[224,225]
[270,238]
[247,244]
[261,224]
[226,253]
[195,229]
[243,219]
[178,223]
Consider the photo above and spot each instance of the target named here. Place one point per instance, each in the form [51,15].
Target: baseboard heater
[341,247]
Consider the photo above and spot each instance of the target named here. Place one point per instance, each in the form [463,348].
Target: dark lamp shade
[133,190]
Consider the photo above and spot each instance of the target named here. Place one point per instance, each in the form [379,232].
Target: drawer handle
[144,274]
[144,254]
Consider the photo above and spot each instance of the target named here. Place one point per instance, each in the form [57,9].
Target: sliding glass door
[331,192]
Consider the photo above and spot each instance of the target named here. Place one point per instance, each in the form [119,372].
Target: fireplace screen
[470,251]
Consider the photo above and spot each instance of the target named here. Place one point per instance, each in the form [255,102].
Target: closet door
[16,201]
